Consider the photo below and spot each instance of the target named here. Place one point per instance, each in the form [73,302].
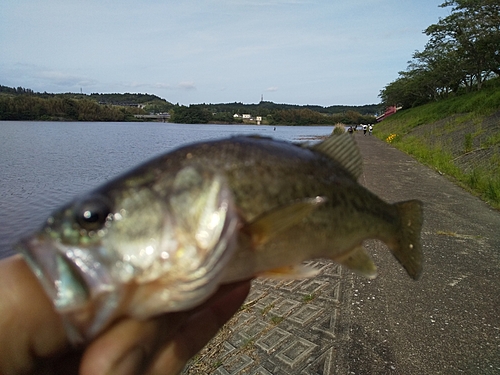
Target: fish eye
[92,213]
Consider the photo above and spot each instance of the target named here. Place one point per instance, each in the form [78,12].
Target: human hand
[33,340]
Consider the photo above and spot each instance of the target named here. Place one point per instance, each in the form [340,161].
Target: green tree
[463,52]
[472,32]
[190,115]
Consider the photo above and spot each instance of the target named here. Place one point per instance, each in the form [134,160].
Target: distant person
[350,130]
[364,129]
[370,129]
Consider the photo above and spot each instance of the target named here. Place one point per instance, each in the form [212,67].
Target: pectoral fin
[280,218]
[299,271]
[359,261]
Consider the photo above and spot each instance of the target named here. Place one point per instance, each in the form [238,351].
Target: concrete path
[337,323]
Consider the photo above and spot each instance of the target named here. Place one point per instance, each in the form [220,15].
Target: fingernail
[130,363]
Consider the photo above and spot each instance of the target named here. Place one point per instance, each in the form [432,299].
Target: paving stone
[338,323]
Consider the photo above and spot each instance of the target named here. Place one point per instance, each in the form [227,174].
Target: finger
[126,346]
[131,345]
[198,330]
[31,329]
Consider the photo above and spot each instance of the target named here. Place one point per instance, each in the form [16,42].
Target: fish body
[165,235]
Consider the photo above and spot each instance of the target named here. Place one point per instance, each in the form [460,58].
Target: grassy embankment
[459,137]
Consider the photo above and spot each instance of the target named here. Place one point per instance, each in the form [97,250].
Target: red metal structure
[389,111]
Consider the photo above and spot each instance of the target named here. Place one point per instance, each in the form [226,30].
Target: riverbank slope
[459,137]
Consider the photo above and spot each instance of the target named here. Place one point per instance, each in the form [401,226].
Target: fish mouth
[61,280]
[81,290]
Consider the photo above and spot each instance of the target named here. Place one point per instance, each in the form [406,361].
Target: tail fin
[407,248]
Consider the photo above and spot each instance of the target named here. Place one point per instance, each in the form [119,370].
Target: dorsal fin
[342,149]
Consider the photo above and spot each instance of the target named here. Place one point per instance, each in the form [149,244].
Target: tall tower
[261,97]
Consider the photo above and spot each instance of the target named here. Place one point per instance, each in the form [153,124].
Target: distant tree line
[264,108]
[16,91]
[200,114]
[275,114]
[115,99]
[309,117]
[127,98]
[25,104]
[25,107]
[190,115]
[462,53]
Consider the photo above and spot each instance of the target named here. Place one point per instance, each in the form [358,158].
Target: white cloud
[63,79]
[187,85]
[162,86]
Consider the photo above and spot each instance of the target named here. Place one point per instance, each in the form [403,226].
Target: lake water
[45,164]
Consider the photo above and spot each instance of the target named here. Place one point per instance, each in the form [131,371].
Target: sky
[304,52]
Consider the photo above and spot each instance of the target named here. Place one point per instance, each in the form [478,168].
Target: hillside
[265,107]
[459,137]
[25,104]
[115,99]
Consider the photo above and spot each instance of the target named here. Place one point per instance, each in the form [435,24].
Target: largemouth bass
[165,235]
